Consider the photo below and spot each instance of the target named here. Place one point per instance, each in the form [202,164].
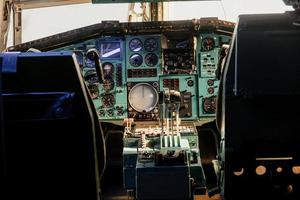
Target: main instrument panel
[138,65]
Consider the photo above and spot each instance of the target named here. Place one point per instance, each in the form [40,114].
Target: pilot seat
[52,146]
[258,110]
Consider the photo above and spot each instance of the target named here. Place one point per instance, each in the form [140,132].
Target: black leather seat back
[258,113]
[49,130]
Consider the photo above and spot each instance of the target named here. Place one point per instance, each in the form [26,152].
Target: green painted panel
[187,85]
[207,59]
[110,98]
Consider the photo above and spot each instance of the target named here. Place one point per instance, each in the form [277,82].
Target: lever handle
[94,55]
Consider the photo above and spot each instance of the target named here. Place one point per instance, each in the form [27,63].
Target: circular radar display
[108,69]
[208,44]
[136,60]
[108,100]
[150,44]
[135,45]
[151,59]
[143,97]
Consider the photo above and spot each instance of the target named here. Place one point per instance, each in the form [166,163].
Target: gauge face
[210,90]
[210,82]
[150,44]
[151,59]
[108,84]
[135,45]
[136,60]
[91,77]
[208,44]
[108,69]
[89,63]
[190,83]
[108,100]
[143,97]
[94,91]
[209,105]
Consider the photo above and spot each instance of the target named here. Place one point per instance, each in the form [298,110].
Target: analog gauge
[91,77]
[94,91]
[150,44]
[143,97]
[209,105]
[108,84]
[89,63]
[151,59]
[136,60]
[108,100]
[208,44]
[190,83]
[210,90]
[210,82]
[108,69]
[135,45]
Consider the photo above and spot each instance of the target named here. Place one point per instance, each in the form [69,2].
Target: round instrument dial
[89,63]
[208,44]
[143,97]
[108,69]
[108,100]
[210,82]
[150,44]
[209,105]
[210,90]
[94,91]
[136,60]
[151,59]
[135,45]
[91,77]
[190,83]
[108,84]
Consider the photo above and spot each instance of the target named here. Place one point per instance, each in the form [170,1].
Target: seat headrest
[267,56]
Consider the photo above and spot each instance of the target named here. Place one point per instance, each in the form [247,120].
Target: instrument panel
[143,57]
[208,53]
[137,67]
[186,84]
[109,98]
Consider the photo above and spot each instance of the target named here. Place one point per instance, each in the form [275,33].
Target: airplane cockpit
[159,110]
